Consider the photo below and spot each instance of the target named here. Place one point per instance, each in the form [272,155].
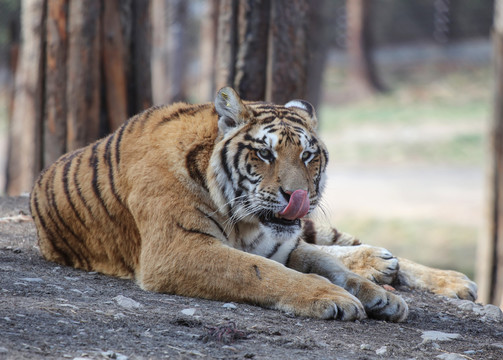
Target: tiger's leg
[187,262]
[378,303]
[448,283]
[379,265]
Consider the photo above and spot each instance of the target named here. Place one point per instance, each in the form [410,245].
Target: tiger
[216,201]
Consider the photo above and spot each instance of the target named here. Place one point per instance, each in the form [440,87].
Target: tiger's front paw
[373,263]
[323,302]
[395,309]
[378,303]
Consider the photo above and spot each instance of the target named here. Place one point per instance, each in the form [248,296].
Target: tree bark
[209,30]
[317,40]
[84,75]
[251,58]
[226,43]
[140,77]
[95,66]
[114,51]
[169,53]
[287,66]
[362,74]
[490,251]
[177,51]
[159,60]
[265,50]
[24,155]
[54,129]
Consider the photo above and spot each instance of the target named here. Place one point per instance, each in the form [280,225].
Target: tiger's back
[80,203]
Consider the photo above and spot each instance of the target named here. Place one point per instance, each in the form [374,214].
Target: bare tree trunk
[317,40]
[140,77]
[287,66]
[177,50]
[490,251]
[169,53]
[84,80]
[159,60]
[362,73]
[24,159]
[95,65]
[209,30]
[114,53]
[251,58]
[265,52]
[226,43]
[54,129]
[14,44]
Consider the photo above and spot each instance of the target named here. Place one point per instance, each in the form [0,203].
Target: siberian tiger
[213,201]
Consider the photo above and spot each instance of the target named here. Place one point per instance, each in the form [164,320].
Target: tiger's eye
[306,155]
[265,154]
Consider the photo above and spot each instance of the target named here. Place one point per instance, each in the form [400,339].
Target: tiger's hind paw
[454,284]
[448,283]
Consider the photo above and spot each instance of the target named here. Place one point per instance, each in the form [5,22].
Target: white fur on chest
[260,240]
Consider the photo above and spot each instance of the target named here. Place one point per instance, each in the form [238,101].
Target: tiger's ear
[231,110]
[304,107]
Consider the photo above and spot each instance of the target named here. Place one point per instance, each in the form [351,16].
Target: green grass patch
[421,94]
[436,244]
[455,103]
[388,110]
[461,149]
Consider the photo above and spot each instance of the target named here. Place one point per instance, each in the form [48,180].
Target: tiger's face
[268,163]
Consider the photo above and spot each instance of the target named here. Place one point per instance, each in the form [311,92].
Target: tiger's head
[268,164]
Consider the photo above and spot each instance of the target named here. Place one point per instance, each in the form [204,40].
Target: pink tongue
[297,207]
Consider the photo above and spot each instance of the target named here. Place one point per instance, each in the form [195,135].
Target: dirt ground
[49,311]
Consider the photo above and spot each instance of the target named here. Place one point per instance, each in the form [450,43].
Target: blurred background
[404,90]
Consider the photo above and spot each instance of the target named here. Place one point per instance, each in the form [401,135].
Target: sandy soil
[49,311]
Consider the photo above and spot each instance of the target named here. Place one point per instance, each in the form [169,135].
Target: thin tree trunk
[251,58]
[95,65]
[362,73]
[159,60]
[84,80]
[209,30]
[140,77]
[269,50]
[54,130]
[287,67]
[318,50]
[14,44]
[490,252]
[114,50]
[169,53]
[177,51]
[24,158]
[226,43]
